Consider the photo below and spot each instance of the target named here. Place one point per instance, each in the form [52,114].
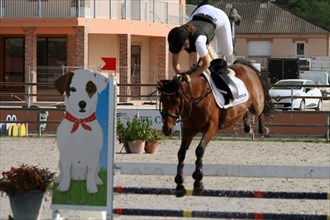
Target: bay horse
[194,104]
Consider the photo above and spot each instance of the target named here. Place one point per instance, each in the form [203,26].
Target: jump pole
[225,170]
[214,214]
[226,193]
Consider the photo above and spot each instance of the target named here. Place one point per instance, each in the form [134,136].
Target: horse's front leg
[185,143]
[198,174]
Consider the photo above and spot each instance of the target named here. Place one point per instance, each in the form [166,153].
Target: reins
[193,100]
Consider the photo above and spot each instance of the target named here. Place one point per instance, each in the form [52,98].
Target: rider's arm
[203,52]
[175,63]
[206,60]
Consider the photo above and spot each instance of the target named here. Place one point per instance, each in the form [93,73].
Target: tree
[316,11]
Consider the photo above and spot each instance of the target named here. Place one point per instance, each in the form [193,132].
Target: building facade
[42,39]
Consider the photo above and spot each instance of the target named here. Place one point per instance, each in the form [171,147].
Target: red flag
[110,63]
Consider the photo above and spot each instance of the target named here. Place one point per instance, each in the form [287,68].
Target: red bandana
[79,121]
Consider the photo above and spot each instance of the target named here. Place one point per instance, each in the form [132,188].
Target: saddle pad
[243,94]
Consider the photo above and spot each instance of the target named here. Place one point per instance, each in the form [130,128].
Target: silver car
[288,97]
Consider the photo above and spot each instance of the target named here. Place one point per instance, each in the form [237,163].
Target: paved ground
[43,152]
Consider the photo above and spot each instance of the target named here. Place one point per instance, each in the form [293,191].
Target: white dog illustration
[79,135]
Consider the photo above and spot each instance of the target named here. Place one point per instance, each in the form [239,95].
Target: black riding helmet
[176,39]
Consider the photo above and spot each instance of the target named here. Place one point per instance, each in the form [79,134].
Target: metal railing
[39,86]
[39,108]
[151,11]
[312,129]
[144,94]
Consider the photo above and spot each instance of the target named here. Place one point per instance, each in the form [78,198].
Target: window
[14,59]
[51,56]
[300,50]
[259,48]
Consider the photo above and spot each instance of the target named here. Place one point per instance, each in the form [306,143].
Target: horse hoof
[198,190]
[180,191]
[266,132]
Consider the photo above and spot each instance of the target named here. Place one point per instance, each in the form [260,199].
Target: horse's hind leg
[261,128]
[247,122]
[185,143]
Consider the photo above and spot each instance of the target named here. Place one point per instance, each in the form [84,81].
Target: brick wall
[71,48]
[77,47]
[30,59]
[124,64]
[81,46]
[162,59]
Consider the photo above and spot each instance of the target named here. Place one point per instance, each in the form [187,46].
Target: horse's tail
[268,106]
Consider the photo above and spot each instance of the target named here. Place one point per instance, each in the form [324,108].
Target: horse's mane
[169,86]
[269,106]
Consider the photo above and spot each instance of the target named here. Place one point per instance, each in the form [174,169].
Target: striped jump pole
[214,214]
[227,193]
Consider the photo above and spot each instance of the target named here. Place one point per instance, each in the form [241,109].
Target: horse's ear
[159,85]
[177,79]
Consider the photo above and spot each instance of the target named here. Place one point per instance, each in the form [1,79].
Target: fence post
[154,10]
[78,8]
[1,10]
[291,99]
[253,124]
[110,8]
[94,9]
[63,69]
[39,8]
[29,88]
[328,128]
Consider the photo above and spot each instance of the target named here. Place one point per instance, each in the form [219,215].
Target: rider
[204,23]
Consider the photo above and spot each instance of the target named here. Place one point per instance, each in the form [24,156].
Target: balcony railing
[143,10]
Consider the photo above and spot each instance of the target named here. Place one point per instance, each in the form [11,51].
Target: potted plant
[134,134]
[121,134]
[153,141]
[25,187]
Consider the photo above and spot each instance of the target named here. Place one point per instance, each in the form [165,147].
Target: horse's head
[170,103]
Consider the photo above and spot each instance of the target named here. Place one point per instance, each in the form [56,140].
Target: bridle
[182,95]
[177,115]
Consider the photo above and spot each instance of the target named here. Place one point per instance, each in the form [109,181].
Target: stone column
[124,64]
[30,57]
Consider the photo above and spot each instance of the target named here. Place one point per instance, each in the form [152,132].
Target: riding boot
[219,73]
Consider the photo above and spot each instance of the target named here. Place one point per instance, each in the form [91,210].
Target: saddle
[220,76]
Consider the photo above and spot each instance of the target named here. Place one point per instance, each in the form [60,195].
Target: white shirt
[222,31]
[201,46]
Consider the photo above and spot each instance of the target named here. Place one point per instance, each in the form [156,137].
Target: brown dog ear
[62,83]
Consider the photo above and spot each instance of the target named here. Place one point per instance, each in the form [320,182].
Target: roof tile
[269,18]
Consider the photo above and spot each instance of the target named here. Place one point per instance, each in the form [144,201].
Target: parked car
[281,96]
